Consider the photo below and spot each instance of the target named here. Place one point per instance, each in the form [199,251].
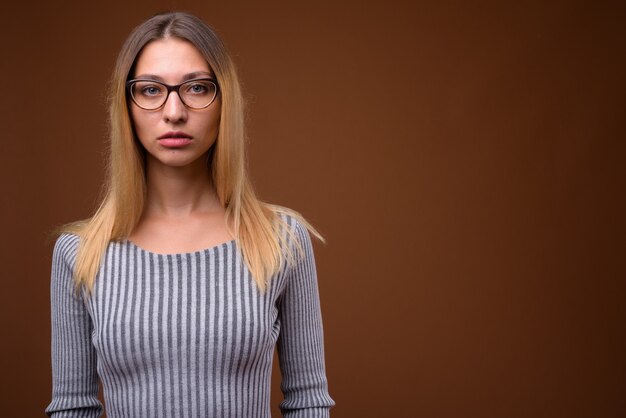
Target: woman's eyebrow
[188,76]
[148,76]
[197,74]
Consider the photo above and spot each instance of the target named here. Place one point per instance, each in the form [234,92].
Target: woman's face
[173,61]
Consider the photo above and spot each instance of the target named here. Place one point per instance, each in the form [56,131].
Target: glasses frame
[170,89]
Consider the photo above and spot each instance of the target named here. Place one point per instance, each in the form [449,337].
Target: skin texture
[182,212]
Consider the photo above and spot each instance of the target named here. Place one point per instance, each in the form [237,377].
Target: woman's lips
[174,142]
[174,139]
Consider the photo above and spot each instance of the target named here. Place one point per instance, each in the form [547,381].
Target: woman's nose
[174,110]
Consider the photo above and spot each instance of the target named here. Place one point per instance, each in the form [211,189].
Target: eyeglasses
[148,94]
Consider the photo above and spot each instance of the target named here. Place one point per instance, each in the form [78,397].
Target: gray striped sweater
[185,335]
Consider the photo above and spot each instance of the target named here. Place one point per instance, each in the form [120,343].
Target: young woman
[175,292]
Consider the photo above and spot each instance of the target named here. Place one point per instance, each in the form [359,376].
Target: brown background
[464,161]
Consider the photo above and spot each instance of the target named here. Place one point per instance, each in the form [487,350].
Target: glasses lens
[148,94]
[198,93]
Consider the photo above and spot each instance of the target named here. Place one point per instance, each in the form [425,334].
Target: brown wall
[465,162]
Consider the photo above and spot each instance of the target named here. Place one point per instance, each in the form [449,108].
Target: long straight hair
[257,227]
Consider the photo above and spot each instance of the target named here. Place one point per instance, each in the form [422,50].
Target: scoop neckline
[196,252]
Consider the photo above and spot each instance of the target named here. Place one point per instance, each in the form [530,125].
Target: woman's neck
[178,192]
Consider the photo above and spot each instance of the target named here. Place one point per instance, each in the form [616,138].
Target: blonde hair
[255,225]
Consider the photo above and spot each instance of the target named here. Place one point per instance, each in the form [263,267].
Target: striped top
[185,335]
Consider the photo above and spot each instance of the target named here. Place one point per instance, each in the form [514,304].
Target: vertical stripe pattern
[185,335]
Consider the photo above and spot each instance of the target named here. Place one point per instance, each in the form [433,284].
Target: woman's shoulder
[67,239]
[67,236]
[295,231]
[66,245]
[293,221]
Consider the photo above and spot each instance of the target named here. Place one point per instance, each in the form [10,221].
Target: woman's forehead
[171,60]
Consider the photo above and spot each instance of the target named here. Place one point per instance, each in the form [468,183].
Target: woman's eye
[197,88]
[150,90]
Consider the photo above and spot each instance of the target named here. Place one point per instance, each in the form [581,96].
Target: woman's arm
[301,339]
[74,375]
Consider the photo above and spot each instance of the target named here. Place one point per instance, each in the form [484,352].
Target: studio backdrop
[463,160]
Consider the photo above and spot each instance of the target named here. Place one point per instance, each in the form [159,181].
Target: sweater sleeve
[301,341]
[74,375]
